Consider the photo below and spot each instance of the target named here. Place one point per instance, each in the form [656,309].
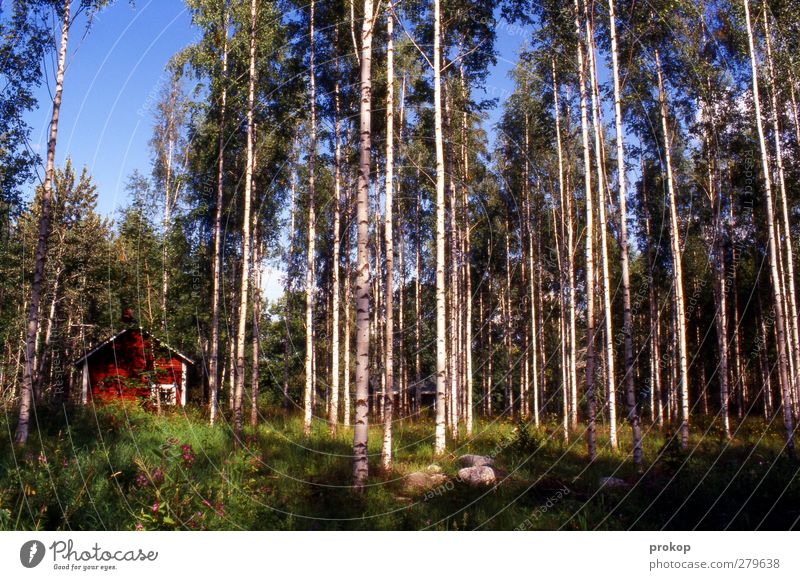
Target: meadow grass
[118,467]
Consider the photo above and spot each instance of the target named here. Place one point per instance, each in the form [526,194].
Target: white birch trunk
[388,236]
[441,312]
[246,242]
[32,329]
[308,398]
[360,462]
[213,359]
[774,266]
[680,316]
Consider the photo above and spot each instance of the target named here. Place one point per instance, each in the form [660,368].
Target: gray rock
[478,475]
[475,460]
[423,480]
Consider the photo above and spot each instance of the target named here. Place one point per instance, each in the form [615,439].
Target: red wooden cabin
[134,365]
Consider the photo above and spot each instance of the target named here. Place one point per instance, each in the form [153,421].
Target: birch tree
[241,332]
[360,431]
[774,264]
[32,326]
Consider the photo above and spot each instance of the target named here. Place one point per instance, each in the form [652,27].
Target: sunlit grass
[117,467]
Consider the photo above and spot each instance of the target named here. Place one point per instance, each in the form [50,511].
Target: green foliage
[119,467]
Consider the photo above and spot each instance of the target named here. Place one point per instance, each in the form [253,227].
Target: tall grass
[119,467]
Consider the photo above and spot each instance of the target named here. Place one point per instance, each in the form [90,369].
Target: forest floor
[121,468]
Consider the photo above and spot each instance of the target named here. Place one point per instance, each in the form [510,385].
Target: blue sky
[112,78]
[113,75]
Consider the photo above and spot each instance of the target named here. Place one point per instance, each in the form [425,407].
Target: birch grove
[353,236]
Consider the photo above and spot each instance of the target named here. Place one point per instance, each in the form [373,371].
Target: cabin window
[165,392]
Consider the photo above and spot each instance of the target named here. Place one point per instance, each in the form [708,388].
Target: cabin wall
[124,369]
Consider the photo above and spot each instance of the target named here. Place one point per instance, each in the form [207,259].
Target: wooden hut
[136,366]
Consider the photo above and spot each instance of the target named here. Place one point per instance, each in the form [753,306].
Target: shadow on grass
[118,467]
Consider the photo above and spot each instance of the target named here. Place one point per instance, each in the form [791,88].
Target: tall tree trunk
[165,226]
[570,370]
[347,329]
[453,266]
[441,312]
[388,236]
[287,288]
[333,408]
[417,305]
[21,435]
[509,379]
[532,285]
[597,124]
[312,236]
[490,369]
[627,319]
[657,407]
[254,375]
[562,326]
[213,359]
[718,261]
[788,420]
[680,316]
[360,462]
[791,296]
[591,443]
[246,242]
[467,274]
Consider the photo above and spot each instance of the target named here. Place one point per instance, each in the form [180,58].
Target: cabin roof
[110,340]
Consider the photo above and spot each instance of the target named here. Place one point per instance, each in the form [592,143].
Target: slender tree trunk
[509,379]
[573,314]
[41,364]
[254,378]
[347,328]
[21,435]
[720,291]
[246,242]
[791,296]
[587,176]
[388,235]
[453,267]
[333,409]
[441,312]
[563,332]
[312,236]
[402,362]
[360,462]
[532,285]
[680,317]
[597,125]
[246,238]
[627,318]
[568,370]
[467,263]
[766,375]
[788,421]
[165,228]
[490,369]
[740,381]
[287,289]
[213,359]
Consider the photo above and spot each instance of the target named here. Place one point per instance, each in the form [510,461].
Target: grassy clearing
[117,467]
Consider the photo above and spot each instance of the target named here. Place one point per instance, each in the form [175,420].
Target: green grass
[117,467]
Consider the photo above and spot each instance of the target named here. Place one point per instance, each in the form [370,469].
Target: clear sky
[112,77]
[114,73]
